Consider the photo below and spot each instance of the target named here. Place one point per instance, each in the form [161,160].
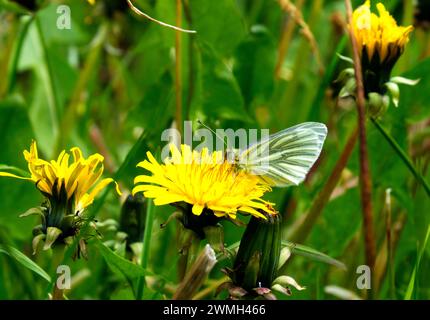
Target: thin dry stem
[178,67]
[98,139]
[365,179]
[140,13]
[287,35]
[297,16]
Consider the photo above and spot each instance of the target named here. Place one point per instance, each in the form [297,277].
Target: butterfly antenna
[219,137]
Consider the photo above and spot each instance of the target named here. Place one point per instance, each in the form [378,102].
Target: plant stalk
[178,67]
[365,178]
[149,221]
[402,154]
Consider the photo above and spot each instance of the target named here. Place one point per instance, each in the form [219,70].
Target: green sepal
[348,89]
[36,241]
[344,58]
[394,91]
[377,104]
[69,240]
[405,81]
[345,75]
[215,237]
[38,230]
[284,256]
[32,211]
[52,234]
[136,248]
[39,211]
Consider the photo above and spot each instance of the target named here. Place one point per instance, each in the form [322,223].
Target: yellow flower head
[77,180]
[205,181]
[379,37]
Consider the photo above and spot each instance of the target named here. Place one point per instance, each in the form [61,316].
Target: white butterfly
[284,158]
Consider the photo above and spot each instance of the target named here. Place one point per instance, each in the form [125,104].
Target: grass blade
[18,171]
[149,222]
[406,160]
[300,250]
[24,261]
[313,254]
[413,282]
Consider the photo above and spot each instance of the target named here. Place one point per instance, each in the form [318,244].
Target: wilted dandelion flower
[68,187]
[204,181]
[380,41]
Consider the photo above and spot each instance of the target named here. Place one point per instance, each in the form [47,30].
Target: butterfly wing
[286,157]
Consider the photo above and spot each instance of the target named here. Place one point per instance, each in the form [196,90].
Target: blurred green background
[108,85]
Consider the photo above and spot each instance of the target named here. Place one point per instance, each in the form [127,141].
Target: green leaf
[119,265]
[17,195]
[313,254]
[15,170]
[146,246]
[255,62]
[207,15]
[412,281]
[413,98]
[154,120]
[403,156]
[24,261]
[300,250]
[219,93]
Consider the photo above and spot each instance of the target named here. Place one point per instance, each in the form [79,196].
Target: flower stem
[57,258]
[287,34]
[178,66]
[390,253]
[365,179]
[78,95]
[149,221]
[52,89]
[407,161]
[11,74]
[191,62]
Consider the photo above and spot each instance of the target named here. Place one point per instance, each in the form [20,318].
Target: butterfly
[286,157]
[281,159]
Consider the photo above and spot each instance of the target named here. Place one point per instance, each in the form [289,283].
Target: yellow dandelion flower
[379,37]
[91,2]
[205,181]
[77,179]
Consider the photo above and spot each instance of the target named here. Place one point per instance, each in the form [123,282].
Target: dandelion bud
[132,219]
[257,260]
[377,104]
